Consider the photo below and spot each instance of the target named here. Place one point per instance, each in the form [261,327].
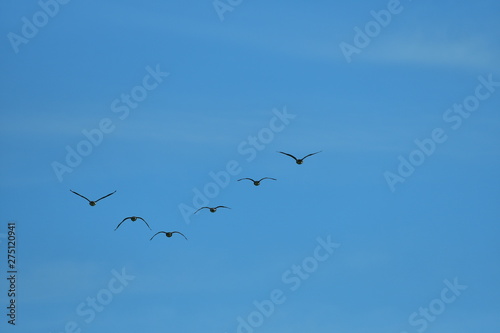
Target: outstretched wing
[247,178]
[144,222]
[119,224]
[80,195]
[312,154]
[295,158]
[267,178]
[159,232]
[200,209]
[222,207]
[180,233]
[105,196]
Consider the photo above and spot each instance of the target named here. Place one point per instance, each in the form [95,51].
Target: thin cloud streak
[469,54]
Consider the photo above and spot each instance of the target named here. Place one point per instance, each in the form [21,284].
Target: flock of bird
[211,209]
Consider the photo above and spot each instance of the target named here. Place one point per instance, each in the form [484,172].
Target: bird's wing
[105,196]
[180,233]
[295,158]
[200,209]
[159,232]
[311,154]
[221,207]
[145,222]
[267,178]
[119,224]
[246,178]
[80,195]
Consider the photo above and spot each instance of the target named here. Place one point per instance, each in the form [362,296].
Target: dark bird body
[168,234]
[257,182]
[92,203]
[212,209]
[133,219]
[298,160]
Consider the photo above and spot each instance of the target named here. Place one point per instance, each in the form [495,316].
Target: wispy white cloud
[55,278]
[46,125]
[468,53]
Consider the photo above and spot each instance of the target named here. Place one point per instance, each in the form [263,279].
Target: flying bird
[298,160]
[133,219]
[212,209]
[257,182]
[92,203]
[168,234]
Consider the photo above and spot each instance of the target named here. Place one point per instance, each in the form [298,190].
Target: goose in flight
[212,209]
[168,234]
[92,203]
[133,219]
[298,160]
[257,182]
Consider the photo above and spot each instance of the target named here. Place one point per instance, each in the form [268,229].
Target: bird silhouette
[133,219]
[257,182]
[92,203]
[168,234]
[212,209]
[298,160]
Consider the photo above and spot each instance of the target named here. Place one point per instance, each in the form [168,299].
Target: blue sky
[266,77]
